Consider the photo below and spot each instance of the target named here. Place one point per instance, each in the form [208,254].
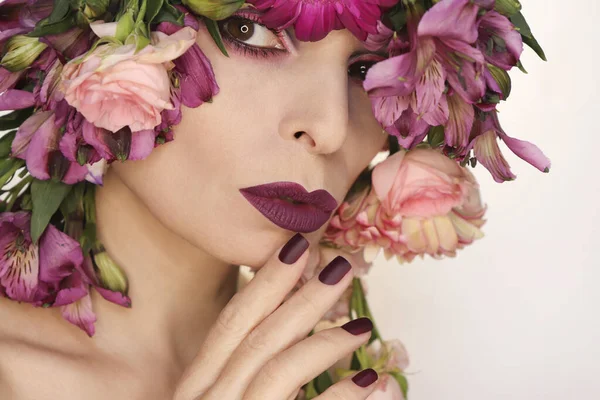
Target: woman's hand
[258,349]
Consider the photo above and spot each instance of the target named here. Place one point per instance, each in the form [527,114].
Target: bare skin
[178,226]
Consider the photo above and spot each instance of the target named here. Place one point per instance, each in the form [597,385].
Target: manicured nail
[293,249]
[358,326]
[335,271]
[365,378]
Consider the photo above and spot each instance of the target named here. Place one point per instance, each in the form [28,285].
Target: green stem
[363,307]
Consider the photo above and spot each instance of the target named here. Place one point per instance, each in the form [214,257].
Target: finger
[358,387]
[289,324]
[259,298]
[301,363]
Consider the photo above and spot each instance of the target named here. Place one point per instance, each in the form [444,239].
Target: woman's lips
[289,206]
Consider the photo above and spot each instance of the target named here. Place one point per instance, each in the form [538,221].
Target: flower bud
[111,275]
[20,52]
[95,8]
[119,143]
[502,78]
[508,7]
[214,9]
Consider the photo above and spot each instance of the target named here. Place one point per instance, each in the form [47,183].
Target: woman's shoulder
[42,358]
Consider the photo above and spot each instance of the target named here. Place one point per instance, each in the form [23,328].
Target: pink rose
[421,202]
[420,183]
[114,87]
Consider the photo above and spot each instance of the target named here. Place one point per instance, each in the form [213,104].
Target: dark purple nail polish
[335,271]
[358,326]
[293,249]
[365,378]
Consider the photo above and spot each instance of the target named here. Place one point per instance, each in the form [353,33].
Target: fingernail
[365,378]
[358,326]
[293,249]
[335,271]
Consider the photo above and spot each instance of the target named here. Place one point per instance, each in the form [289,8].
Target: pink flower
[418,86]
[314,19]
[421,203]
[113,87]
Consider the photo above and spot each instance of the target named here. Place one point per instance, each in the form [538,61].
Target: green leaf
[73,200]
[47,197]
[436,136]
[60,10]
[15,118]
[519,21]
[323,382]
[521,67]
[6,143]
[8,167]
[125,26]
[213,29]
[152,9]
[310,390]
[43,28]
[168,13]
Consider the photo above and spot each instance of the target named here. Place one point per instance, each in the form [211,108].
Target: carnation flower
[314,19]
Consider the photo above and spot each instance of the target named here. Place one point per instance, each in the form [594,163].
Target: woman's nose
[318,117]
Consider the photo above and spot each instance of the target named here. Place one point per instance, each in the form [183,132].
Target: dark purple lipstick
[289,206]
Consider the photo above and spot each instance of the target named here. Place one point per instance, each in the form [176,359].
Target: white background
[517,315]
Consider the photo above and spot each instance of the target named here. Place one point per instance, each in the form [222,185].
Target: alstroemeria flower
[487,151]
[442,56]
[314,19]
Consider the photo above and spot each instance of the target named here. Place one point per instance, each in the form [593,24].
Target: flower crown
[74,112]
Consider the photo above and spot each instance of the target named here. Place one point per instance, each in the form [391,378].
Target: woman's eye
[252,33]
[359,69]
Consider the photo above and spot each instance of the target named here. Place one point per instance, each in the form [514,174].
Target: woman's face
[286,111]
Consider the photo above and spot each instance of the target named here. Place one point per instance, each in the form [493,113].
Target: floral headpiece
[76,110]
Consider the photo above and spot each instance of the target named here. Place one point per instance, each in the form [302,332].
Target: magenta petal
[26,131]
[494,26]
[59,255]
[14,99]
[94,136]
[527,151]
[19,263]
[388,110]
[142,144]
[43,141]
[198,82]
[69,295]
[8,79]
[452,19]
[460,122]
[392,77]
[81,314]
[114,297]
[76,173]
[486,149]
[409,129]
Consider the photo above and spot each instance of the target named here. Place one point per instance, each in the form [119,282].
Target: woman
[178,223]
[253,178]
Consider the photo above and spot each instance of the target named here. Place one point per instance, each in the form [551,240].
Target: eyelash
[263,52]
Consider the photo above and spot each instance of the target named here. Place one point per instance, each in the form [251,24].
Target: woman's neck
[177,290]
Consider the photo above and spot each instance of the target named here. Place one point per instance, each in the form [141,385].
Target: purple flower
[314,19]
